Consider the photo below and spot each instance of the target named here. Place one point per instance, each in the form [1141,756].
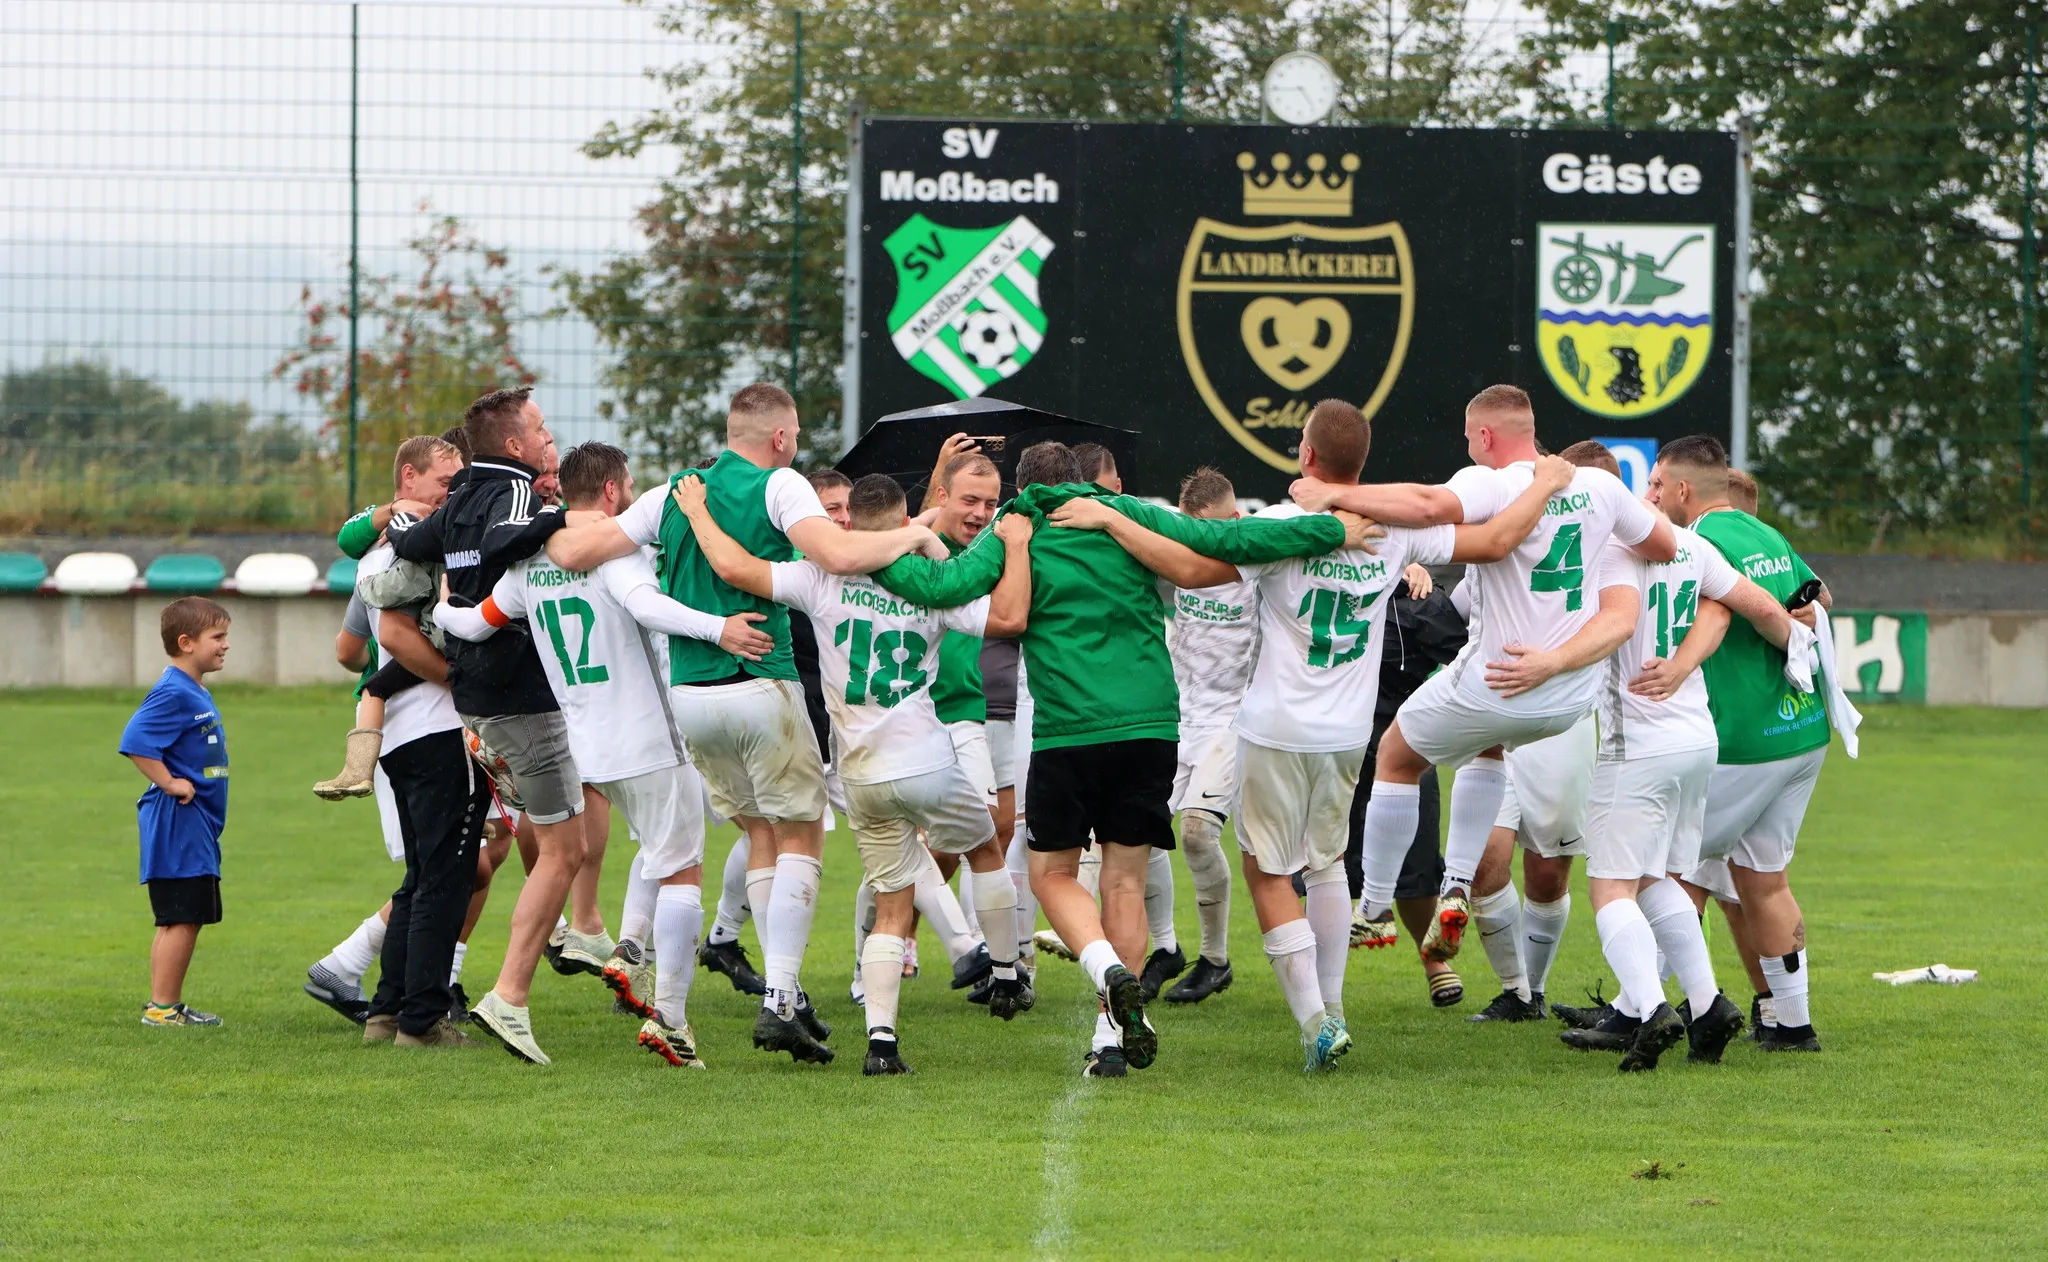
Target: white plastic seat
[95,574]
[276,574]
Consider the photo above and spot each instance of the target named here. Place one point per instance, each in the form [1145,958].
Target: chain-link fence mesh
[638,205]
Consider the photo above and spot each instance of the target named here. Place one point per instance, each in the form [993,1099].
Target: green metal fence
[248,244]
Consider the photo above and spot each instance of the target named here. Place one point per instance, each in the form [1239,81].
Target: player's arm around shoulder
[1389,503]
[1241,541]
[1009,610]
[730,561]
[1503,532]
[966,576]
[1170,559]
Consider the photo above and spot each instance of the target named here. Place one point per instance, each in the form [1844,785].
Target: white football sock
[760,886]
[1542,929]
[1292,949]
[995,898]
[935,902]
[1105,1034]
[963,894]
[1476,795]
[1329,916]
[1088,872]
[881,971]
[792,904]
[1018,861]
[1787,975]
[1631,951]
[1097,958]
[1682,942]
[678,919]
[1201,839]
[733,903]
[1159,900]
[636,922]
[354,955]
[1498,917]
[863,919]
[455,969]
[1392,815]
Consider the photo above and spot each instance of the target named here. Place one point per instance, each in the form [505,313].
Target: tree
[63,418]
[732,285]
[1889,143]
[434,343]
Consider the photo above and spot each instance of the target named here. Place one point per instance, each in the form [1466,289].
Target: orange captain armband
[492,614]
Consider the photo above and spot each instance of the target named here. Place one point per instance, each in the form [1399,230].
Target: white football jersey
[1214,640]
[877,654]
[1637,727]
[1320,619]
[599,664]
[1544,591]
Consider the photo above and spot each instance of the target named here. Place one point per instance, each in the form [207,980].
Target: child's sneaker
[176,1014]
[353,781]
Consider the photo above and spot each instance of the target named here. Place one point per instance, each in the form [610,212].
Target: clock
[1300,88]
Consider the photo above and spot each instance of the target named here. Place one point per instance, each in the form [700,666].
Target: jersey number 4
[1564,569]
[1333,615]
[883,668]
[551,613]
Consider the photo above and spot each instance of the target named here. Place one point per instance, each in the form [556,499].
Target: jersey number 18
[882,667]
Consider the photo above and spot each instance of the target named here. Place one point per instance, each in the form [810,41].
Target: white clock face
[1301,89]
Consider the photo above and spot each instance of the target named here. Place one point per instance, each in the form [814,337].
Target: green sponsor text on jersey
[1757,715]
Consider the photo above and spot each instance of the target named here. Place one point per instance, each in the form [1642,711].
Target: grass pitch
[1918,1132]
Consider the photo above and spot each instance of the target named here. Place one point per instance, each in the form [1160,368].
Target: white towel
[1799,658]
[1842,716]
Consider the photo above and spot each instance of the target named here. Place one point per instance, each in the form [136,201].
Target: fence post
[796,192]
[1180,45]
[1738,375]
[2027,298]
[1613,29]
[354,266]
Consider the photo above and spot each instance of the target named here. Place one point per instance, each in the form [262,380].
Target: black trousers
[442,797]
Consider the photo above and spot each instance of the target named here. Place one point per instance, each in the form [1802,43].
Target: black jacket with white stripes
[492,518]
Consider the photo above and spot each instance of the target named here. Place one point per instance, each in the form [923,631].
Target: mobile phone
[991,442]
[1808,592]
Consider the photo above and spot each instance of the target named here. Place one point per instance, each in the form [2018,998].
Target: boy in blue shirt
[175,740]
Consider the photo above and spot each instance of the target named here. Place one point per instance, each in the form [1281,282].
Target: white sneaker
[509,1026]
[586,952]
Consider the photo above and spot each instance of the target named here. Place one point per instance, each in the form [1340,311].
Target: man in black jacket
[1424,631]
[491,520]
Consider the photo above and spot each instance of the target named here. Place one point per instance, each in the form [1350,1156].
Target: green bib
[737,491]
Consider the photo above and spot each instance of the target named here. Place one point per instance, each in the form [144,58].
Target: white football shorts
[1295,811]
[971,751]
[1205,776]
[665,810]
[1646,814]
[888,816]
[1002,751]
[1754,810]
[1449,731]
[753,744]
[1548,782]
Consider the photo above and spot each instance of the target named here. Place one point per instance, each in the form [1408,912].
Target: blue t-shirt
[179,726]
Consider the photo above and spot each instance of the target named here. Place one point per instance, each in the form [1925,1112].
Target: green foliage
[430,344]
[1890,144]
[85,447]
[733,285]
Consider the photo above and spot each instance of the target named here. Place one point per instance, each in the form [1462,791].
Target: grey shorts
[535,748]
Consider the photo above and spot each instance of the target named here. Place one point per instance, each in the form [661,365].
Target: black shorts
[186,900]
[1118,791]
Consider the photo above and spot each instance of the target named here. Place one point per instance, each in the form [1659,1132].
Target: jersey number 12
[551,613]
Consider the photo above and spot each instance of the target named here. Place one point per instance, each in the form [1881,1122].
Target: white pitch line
[1055,1233]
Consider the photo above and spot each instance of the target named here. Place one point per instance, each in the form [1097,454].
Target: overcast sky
[173,172]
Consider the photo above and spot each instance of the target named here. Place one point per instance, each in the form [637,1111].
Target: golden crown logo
[1316,192]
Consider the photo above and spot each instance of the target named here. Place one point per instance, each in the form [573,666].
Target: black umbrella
[905,445]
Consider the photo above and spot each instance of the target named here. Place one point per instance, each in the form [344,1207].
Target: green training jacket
[1096,647]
